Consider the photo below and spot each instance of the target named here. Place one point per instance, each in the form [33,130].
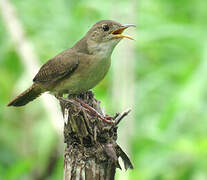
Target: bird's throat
[102,49]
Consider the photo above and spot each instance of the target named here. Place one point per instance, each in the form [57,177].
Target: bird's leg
[94,112]
[108,117]
[88,108]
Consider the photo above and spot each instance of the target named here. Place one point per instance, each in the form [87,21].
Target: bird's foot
[92,111]
[89,109]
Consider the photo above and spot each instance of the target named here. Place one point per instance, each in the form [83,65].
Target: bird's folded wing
[58,68]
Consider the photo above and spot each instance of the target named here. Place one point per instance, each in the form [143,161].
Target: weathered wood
[91,152]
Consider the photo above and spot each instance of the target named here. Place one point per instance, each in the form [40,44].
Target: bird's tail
[28,95]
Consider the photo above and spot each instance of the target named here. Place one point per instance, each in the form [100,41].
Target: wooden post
[91,152]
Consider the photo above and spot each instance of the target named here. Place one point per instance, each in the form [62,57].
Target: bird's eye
[105,27]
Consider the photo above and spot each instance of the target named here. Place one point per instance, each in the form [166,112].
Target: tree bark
[91,151]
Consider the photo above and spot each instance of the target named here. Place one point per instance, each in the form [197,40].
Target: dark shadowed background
[161,76]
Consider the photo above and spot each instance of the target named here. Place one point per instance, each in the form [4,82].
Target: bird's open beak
[118,33]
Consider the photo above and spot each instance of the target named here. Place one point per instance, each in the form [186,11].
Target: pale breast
[88,74]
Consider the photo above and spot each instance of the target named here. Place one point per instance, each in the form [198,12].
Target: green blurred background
[161,76]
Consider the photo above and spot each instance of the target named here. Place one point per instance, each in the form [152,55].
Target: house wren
[79,68]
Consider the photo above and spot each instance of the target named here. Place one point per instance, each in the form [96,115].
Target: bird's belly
[84,78]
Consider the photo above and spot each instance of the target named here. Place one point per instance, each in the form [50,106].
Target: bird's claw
[93,112]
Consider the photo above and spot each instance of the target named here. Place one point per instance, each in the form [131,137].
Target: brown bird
[79,68]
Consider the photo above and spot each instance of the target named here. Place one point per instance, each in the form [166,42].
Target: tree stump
[91,152]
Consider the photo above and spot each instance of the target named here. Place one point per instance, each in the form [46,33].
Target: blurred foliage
[171,69]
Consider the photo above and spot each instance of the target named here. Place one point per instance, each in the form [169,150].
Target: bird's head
[104,36]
